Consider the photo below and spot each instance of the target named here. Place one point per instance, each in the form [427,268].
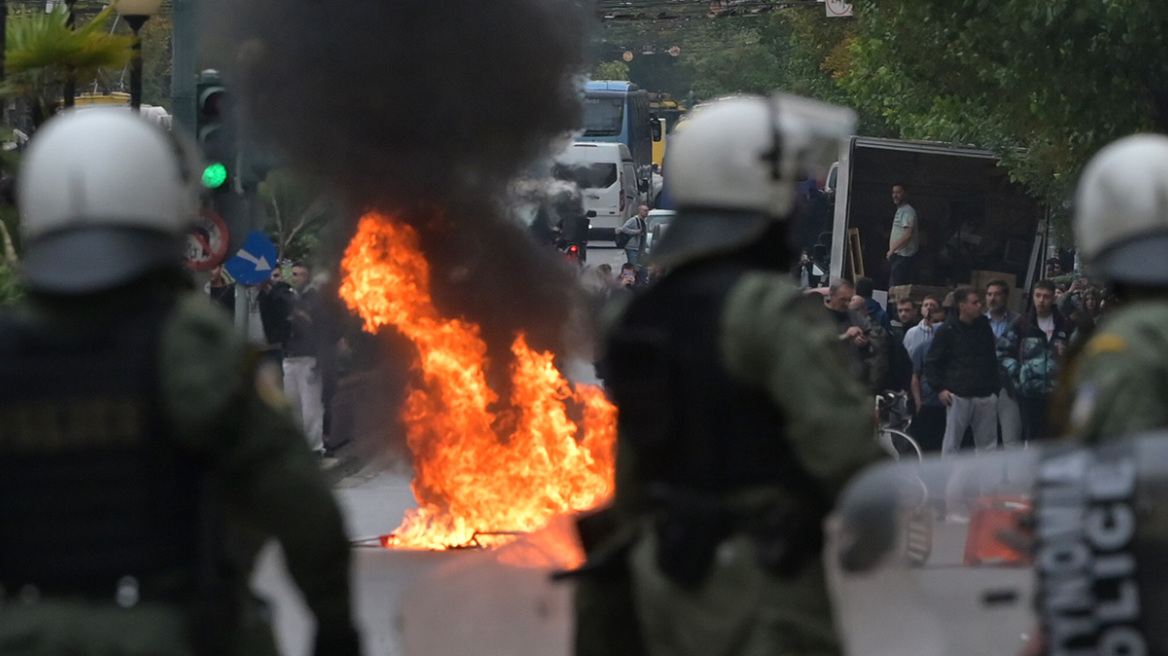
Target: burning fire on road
[486,467]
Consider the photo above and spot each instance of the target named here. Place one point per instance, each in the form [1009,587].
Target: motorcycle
[572,242]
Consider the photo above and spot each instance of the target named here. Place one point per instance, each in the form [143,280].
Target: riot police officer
[140,446]
[740,420]
[1117,382]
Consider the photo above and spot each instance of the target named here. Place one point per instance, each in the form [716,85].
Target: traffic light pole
[184,65]
[242,308]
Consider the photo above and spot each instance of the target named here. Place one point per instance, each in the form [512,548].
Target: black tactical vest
[692,426]
[91,488]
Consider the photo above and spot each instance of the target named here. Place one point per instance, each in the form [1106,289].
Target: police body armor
[95,501]
[701,438]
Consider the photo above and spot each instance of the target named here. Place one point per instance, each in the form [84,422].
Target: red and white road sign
[207,241]
[838,8]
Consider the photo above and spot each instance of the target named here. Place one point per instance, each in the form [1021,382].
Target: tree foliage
[10,289]
[298,210]
[42,49]
[611,70]
[1044,83]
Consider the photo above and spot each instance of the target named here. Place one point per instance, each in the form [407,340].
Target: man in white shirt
[904,239]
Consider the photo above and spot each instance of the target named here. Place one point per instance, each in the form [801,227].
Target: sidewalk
[366,426]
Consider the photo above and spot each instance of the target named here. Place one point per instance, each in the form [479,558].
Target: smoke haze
[405,106]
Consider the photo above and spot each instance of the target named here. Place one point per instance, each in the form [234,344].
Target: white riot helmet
[104,197]
[737,165]
[1121,211]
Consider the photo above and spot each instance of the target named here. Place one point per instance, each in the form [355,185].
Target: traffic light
[215,123]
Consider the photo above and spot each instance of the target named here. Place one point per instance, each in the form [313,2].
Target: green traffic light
[214,175]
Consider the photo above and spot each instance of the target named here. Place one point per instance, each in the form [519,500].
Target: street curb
[348,462]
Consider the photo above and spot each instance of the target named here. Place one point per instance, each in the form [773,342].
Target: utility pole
[70,91]
[184,66]
[4,55]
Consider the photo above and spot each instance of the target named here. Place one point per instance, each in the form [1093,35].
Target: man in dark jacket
[1029,352]
[962,363]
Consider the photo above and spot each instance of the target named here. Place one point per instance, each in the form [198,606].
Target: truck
[975,223]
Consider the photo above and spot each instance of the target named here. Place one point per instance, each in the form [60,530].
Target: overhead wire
[673,9]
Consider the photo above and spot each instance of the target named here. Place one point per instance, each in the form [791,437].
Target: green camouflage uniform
[221,409]
[1118,383]
[775,339]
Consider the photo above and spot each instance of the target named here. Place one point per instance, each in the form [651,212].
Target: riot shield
[1058,550]
[933,557]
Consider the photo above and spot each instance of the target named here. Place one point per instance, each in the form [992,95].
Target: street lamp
[136,13]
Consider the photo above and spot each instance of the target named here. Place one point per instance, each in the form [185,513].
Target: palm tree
[42,48]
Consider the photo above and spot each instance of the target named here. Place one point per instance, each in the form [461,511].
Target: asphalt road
[456,602]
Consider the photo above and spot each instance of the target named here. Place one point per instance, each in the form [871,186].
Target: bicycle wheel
[899,443]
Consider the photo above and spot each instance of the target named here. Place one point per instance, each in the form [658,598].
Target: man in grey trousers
[962,363]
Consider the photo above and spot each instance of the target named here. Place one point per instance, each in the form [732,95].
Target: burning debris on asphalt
[418,115]
[483,464]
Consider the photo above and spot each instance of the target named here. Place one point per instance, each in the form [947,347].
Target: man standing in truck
[904,240]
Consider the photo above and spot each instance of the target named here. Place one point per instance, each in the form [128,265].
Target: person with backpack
[1029,354]
[629,236]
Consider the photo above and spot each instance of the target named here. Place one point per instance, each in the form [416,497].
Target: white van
[605,175]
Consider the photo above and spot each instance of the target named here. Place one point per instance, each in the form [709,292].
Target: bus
[619,112]
[667,112]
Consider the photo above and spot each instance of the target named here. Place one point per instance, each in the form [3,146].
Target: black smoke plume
[408,105]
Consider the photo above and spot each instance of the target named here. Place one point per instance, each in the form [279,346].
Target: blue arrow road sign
[254,262]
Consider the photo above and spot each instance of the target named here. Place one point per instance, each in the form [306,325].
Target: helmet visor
[1137,261]
[697,233]
[93,259]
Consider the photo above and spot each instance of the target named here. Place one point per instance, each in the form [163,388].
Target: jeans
[901,268]
[928,427]
[1034,413]
[634,256]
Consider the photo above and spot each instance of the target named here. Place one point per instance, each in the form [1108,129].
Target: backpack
[622,239]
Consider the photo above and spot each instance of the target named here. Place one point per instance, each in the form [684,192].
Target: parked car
[655,226]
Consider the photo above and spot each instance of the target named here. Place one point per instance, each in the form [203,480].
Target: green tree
[10,289]
[1044,83]
[299,211]
[611,70]
[156,49]
[41,49]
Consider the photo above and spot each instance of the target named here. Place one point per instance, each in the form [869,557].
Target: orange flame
[471,475]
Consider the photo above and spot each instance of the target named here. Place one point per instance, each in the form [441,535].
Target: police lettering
[71,425]
[1085,525]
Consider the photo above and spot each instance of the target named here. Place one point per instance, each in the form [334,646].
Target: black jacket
[963,359]
[275,309]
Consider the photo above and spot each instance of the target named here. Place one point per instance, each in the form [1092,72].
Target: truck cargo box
[971,216]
